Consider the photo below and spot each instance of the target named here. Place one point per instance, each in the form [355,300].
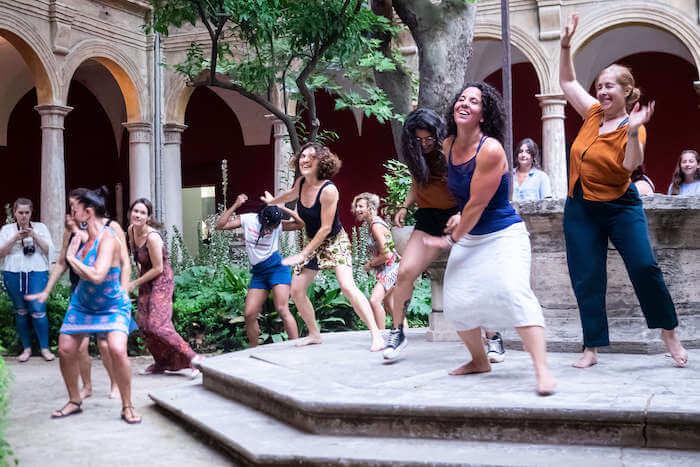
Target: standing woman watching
[487,278]
[686,178]
[603,205]
[155,302]
[328,245]
[99,305]
[26,248]
[531,183]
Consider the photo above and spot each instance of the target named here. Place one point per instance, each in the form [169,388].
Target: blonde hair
[625,79]
[371,198]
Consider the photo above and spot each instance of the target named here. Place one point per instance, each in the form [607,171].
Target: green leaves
[397,180]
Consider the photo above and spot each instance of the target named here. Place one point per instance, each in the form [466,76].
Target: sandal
[61,414]
[24,356]
[135,420]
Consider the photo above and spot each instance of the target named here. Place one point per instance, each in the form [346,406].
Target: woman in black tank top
[328,246]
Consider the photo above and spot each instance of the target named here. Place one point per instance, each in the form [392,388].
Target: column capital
[139,132]
[52,115]
[552,105]
[172,133]
[279,129]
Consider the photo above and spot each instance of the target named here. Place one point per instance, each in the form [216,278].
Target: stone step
[339,388]
[254,438]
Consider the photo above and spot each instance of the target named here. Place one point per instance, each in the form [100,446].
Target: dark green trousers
[587,227]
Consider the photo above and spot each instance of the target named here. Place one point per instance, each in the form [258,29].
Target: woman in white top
[261,232]
[686,178]
[530,183]
[26,247]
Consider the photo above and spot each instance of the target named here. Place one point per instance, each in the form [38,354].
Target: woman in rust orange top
[603,205]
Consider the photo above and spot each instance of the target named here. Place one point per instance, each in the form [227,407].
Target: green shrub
[397,180]
[5,377]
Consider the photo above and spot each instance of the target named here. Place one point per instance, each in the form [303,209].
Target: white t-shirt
[266,246]
[16,260]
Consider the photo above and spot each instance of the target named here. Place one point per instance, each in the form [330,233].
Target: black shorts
[432,220]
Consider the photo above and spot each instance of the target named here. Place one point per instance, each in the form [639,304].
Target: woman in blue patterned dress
[98,305]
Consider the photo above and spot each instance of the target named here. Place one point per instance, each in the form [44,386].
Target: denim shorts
[270,273]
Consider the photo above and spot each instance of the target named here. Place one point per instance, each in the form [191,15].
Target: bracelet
[450,240]
[403,207]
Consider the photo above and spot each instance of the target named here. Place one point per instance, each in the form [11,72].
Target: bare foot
[308,340]
[24,356]
[378,343]
[196,361]
[114,392]
[546,384]
[588,359]
[471,367]
[86,392]
[673,343]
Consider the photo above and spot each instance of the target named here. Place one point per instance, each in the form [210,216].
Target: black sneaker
[496,352]
[395,343]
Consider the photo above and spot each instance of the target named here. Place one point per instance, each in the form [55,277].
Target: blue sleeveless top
[499,213]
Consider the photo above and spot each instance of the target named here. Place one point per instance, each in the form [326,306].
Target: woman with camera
[25,248]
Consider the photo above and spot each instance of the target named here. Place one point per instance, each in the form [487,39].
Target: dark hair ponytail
[94,199]
[269,218]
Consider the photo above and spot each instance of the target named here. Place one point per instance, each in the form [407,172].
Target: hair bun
[633,97]
[102,191]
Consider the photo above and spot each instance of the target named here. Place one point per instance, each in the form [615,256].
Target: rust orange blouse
[597,159]
[435,193]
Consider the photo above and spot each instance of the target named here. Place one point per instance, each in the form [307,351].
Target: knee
[298,293]
[251,316]
[282,310]
[117,350]
[644,269]
[349,290]
[67,349]
[103,345]
[405,276]
[376,302]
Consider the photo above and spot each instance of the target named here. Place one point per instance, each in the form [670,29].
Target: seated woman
[686,178]
[644,185]
[531,183]
[155,303]
[25,247]
[385,259]
[99,305]
[261,232]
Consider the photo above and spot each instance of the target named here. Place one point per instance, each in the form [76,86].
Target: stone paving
[97,437]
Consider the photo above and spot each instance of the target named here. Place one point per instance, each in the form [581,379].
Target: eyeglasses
[427,139]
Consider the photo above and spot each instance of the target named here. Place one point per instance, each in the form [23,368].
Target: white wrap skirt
[487,281]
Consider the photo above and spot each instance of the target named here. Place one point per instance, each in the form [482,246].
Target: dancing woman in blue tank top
[487,279]
[328,246]
[98,305]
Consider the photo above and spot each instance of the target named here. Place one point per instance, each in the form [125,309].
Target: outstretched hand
[640,115]
[40,297]
[293,260]
[568,31]
[241,199]
[267,198]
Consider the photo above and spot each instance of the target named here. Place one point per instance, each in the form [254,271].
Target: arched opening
[96,143]
[215,133]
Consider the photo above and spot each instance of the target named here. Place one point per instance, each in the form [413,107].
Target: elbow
[324,231]
[158,270]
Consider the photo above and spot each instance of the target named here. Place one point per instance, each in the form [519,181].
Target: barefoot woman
[603,205]
[487,279]
[328,245]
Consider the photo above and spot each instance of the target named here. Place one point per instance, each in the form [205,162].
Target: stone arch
[176,98]
[123,69]
[531,49]
[648,14]
[36,54]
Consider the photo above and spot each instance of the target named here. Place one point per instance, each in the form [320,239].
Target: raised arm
[636,136]
[228,220]
[105,257]
[578,97]
[287,197]
[295,223]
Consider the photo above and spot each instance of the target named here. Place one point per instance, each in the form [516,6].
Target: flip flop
[62,414]
[135,421]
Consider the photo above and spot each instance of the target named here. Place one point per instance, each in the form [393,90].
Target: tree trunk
[396,84]
[443,33]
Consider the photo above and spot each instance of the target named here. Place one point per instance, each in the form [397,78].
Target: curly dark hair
[421,119]
[492,110]
[532,149]
[328,163]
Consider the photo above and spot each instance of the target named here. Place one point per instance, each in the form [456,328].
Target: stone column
[139,160]
[553,141]
[284,174]
[53,186]
[172,174]
[696,85]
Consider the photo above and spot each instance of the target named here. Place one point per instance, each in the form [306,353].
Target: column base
[440,329]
